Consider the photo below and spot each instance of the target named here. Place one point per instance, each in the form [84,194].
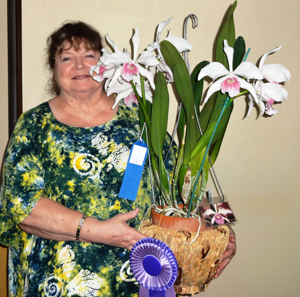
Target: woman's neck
[83,111]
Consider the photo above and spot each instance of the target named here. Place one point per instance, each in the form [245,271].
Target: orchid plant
[143,79]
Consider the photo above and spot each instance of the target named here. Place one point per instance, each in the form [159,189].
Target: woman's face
[72,70]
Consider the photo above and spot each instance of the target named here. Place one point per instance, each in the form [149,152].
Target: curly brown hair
[75,34]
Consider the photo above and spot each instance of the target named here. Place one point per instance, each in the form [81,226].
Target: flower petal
[180,43]
[115,77]
[109,73]
[118,88]
[229,54]
[213,70]
[276,72]
[208,212]
[146,74]
[121,96]
[160,27]
[250,88]
[130,99]
[216,86]
[275,91]
[248,70]
[117,59]
[269,108]
[136,42]
[147,59]
[263,58]
[250,105]
[112,43]
[128,70]
[231,85]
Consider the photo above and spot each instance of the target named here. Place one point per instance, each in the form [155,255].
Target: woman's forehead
[67,46]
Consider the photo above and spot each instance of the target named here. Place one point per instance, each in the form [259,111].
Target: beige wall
[259,164]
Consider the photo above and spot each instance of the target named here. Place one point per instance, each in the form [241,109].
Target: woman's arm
[51,220]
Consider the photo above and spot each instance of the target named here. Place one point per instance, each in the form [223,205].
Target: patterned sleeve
[22,179]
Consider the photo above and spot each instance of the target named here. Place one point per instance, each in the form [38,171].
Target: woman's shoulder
[38,111]
[34,119]
[36,114]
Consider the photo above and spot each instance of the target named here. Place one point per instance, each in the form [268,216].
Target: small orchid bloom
[271,91]
[180,43]
[230,82]
[127,67]
[220,216]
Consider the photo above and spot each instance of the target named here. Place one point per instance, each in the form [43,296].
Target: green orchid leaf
[203,141]
[227,31]
[159,115]
[184,89]
[220,133]
[239,52]
[205,114]
[224,121]
[181,124]
[197,86]
[215,150]
[177,170]
[164,176]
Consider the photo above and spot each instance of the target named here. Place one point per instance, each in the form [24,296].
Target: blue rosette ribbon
[155,268]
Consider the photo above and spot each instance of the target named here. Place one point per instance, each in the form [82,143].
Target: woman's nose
[79,65]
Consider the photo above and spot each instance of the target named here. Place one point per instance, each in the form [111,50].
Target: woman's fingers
[129,215]
[118,233]
[228,254]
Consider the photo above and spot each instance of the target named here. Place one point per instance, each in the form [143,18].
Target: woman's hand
[228,254]
[118,233]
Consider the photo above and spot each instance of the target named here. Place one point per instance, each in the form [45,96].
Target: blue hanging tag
[134,169]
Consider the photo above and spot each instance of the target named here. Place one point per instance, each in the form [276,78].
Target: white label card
[138,155]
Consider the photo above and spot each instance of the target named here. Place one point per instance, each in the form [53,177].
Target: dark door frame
[14,41]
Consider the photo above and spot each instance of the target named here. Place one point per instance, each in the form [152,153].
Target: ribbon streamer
[154,267]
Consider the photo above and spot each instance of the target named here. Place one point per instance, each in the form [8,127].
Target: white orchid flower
[271,91]
[220,216]
[124,90]
[181,45]
[230,82]
[127,67]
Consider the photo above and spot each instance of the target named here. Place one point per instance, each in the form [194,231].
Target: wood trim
[14,36]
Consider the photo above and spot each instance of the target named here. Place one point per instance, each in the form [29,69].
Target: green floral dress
[81,168]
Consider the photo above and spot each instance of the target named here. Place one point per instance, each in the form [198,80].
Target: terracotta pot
[174,223]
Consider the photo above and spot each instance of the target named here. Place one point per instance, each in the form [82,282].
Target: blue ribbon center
[152,265]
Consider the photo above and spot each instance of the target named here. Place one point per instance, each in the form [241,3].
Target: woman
[60,211]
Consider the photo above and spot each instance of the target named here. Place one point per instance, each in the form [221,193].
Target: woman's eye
[65,59]
[90,56]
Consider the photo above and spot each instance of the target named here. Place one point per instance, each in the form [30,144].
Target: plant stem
[206,151]
[143,90]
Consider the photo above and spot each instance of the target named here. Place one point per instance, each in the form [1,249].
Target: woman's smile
[72,70]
